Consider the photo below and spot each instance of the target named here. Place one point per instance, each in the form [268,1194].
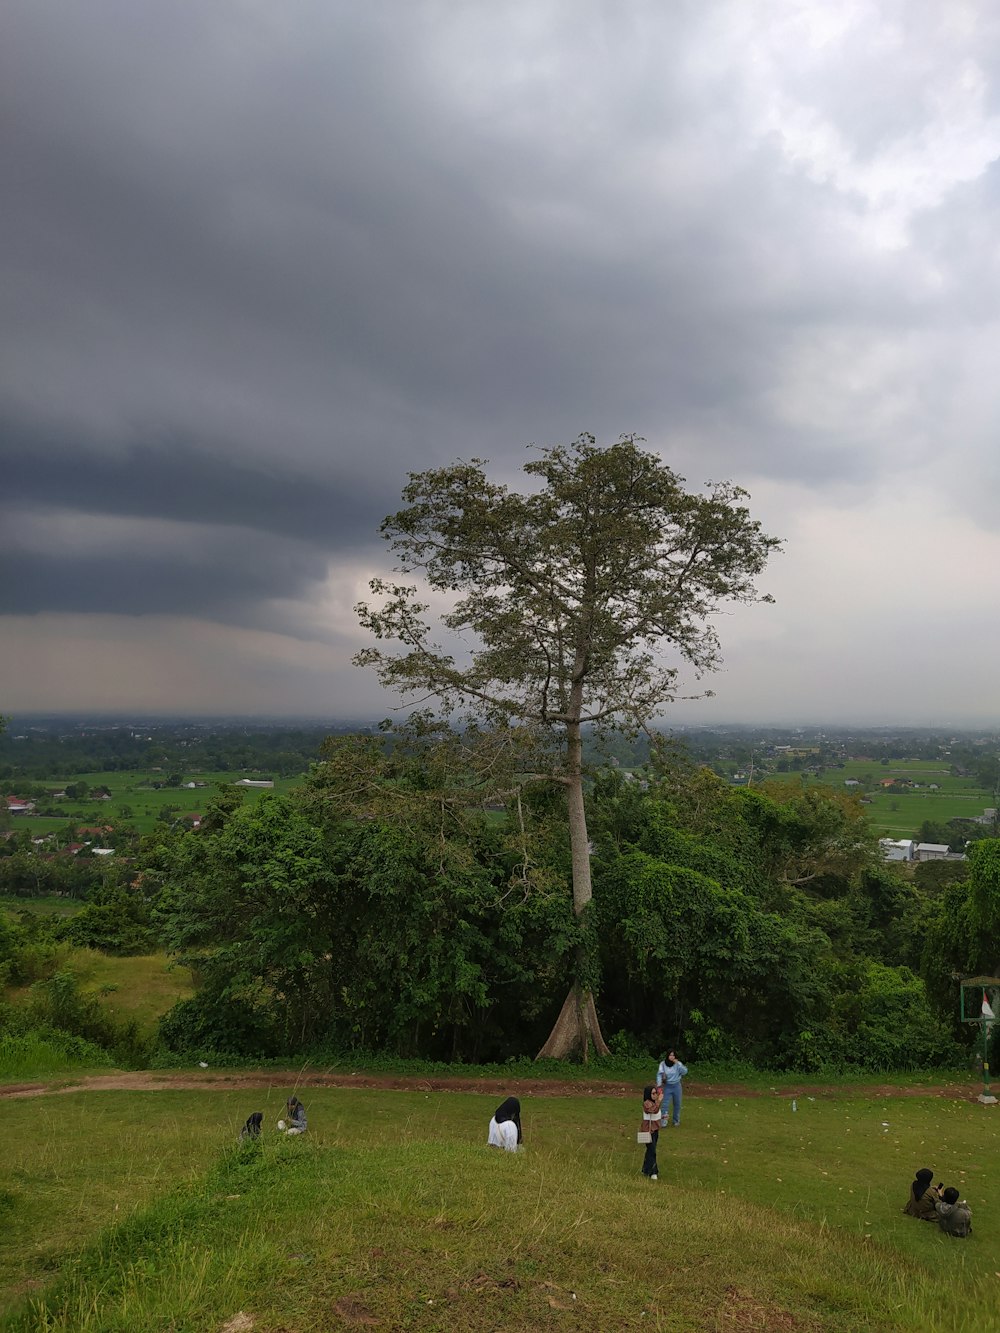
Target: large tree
[558,600]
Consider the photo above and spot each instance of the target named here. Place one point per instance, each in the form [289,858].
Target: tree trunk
[575,1028]
[579,843]
[577,1024]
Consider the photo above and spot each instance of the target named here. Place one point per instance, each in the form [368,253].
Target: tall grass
[37,1054]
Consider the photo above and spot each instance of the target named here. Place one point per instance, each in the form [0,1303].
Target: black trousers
[649,1167]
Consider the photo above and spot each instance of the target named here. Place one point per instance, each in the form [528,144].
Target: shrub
[209,1023]
[57,1003]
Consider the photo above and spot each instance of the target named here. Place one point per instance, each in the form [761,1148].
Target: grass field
[138,1214]
[138,989]
[61,907]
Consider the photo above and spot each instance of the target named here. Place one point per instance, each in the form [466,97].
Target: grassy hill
[137,989]
[392,1213]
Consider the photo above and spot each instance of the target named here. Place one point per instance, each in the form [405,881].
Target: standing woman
[652,1100]
[668,1077]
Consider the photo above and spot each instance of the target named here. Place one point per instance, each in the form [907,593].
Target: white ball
[281,1124]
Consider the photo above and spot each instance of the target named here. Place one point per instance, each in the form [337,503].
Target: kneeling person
[505,1127]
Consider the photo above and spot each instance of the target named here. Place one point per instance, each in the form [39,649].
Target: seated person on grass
[954,1214]
[296,1122]
[923,1197]
[251,1130]
[505,1126]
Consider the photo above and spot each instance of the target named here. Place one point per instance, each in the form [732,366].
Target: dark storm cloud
[228,583]
[261,260]
[306,245]
[187,481]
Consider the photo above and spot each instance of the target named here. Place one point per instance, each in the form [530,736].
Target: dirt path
[166,1080]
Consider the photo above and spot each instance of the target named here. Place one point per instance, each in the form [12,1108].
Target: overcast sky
[260,260]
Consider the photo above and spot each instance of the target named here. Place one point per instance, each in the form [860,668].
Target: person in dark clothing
[953,1214]
[510,1109]
[652,1102]
[923,1197]
[252,1128]
[505,1127]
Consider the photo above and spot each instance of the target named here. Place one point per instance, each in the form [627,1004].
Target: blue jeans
[671,1093]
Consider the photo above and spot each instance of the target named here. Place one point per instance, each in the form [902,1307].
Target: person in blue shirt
[668,1077]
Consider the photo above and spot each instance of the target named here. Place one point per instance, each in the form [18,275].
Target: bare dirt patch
[742,1313]
[185,1080]
[351,1311]
[240,1323]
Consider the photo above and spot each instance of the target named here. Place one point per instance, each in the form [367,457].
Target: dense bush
[35,1052]
[116,920]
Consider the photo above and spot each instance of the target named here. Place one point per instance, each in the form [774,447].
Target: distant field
[133,800]
[913,808]
[13,907]
[958,798]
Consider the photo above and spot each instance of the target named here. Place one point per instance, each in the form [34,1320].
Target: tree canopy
[561,599]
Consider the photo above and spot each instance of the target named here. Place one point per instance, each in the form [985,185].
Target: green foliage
[58,1011]
[210,1023]
[29,950]
[567,586]
[883,1021]
[933,877]
[41,1052]
[26,875]
[963,937]
[252,907]
[984,882]
[313,929]
[396,905]
[116,919]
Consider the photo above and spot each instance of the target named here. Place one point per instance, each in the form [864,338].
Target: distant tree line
[285,752]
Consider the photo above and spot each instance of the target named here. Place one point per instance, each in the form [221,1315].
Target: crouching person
[923,1197]
[251,1130]
[296,1113]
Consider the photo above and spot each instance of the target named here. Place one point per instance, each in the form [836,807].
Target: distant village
[95,839]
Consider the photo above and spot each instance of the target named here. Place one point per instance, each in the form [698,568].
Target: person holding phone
[668,1078]
[923,1196]
[652,1100]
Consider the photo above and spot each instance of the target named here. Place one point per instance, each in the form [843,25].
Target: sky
[260,261]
